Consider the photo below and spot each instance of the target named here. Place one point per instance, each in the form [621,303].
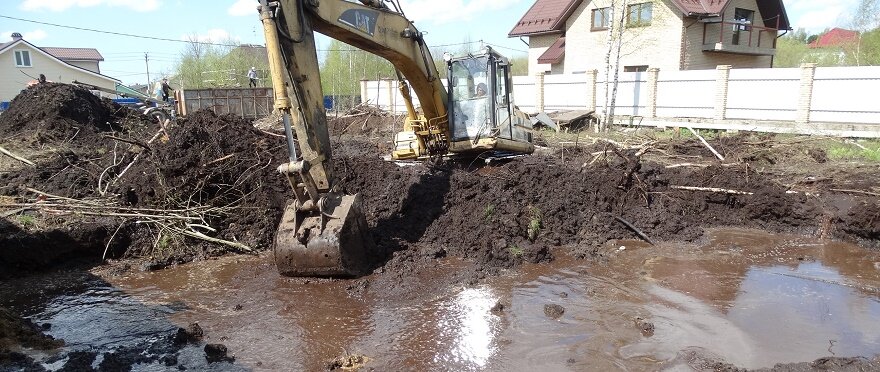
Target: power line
[117,33]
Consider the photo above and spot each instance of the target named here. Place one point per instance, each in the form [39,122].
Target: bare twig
[679,165]
[132,142]
[219,160]
[16,157]
[711,189]
[635,230]
[107,247]
[35,191]
[703,140]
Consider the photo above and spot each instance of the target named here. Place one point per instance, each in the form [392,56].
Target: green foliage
[516,251]
[345,66]
[792,50]
[535,224]
[489,212]
[210,66]
[27,221]
[519,65]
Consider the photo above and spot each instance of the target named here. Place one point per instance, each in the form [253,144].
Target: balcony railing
[739,38]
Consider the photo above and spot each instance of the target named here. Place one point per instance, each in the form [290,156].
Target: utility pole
[147,61]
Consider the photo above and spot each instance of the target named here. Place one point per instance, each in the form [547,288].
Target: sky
[447,24]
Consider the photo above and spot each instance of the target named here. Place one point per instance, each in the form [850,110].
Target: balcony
[739,38]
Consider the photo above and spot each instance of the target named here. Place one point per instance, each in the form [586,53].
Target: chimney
[16,36]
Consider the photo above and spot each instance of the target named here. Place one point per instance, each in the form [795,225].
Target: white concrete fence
[838,101]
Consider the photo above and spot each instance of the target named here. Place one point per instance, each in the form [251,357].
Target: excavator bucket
[331,243]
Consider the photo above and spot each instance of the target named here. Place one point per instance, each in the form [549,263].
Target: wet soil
[106,187]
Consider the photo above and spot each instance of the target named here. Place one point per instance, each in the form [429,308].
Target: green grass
[516,251]
[27,221]
[850,151]
[489,212]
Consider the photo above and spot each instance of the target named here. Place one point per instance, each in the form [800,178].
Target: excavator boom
[324,233]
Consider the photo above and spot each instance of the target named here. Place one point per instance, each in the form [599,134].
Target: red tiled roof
[554,53]
[545,16]
[835,37]
[773,11]
[549,16]
[74,54]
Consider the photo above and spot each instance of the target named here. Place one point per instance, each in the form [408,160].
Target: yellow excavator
[324,232]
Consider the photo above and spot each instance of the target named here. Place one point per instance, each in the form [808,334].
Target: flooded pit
[744,297]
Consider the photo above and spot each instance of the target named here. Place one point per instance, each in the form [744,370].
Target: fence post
[721,82]
[539,92]
[805,98]
[364,96]
[653,76]
[390,92]
[591,89]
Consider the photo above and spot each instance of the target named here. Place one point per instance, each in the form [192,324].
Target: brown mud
[220,173]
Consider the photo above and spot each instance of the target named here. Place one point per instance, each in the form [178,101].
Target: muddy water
[744,297]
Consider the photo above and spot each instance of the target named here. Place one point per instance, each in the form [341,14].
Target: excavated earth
[108,187]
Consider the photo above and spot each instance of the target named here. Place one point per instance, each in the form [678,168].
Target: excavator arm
[324,233]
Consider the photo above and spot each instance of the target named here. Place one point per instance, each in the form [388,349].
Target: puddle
[747,298]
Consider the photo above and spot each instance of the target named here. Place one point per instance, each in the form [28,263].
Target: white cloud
[32,36]
[817,15]
[243,8]
[440,12]
[61,5]
[214,35]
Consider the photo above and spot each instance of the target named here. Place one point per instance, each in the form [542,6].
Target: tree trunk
[618,44]
[603,124]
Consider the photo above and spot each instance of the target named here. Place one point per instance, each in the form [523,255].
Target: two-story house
[571,36]
[21,63]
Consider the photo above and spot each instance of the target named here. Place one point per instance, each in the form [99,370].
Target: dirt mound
[51,112]
[216,176]
[221,163]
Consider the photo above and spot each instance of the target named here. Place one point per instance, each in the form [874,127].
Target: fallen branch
[635,230]
[703,140]
[128,141]
[13,212]
[48,195]
[711,189]
[219,160]
[138,156]
[16,157]
[679,165]
[855,192]
[107,247]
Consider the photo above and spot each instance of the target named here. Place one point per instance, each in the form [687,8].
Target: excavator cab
[482,116]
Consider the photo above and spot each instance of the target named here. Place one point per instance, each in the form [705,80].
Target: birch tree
[625,35]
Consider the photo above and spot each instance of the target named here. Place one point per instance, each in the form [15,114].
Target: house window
[601,19]
[743,20]
[640,68]
[639,15]
[22,58]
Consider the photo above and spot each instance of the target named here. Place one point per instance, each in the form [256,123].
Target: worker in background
[252,75]
[165,90]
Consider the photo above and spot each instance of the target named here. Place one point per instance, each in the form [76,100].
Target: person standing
[165,89]
[252,75]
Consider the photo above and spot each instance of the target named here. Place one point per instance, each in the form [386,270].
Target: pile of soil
[221,170]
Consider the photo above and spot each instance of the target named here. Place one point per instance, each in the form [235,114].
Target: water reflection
[469,321]
[744,298]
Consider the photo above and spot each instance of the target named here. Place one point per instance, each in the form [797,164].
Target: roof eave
[537,33]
